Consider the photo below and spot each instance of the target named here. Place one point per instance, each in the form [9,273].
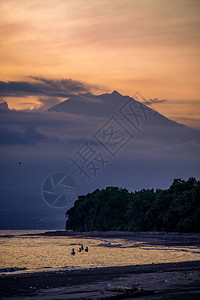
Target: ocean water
[21,253]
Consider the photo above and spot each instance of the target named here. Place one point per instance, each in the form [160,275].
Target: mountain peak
[88,94]
[4,106]
[116,93]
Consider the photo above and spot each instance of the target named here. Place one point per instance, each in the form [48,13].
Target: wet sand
[151,238]
[160,281]
[166,281]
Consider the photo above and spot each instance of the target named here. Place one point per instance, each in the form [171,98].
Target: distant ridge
[4,106]
[156,126]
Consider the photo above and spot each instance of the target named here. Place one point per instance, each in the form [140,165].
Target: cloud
[39,86]
[149,102]
[48,102]
[28,136]
[46,130]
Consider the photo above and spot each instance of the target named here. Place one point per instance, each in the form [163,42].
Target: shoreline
[161,279]
[135,269]
[149,237]
[179,280]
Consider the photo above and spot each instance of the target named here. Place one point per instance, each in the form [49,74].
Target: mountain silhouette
[146,122]
[4,106]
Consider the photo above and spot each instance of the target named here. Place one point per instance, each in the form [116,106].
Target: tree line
[113,208]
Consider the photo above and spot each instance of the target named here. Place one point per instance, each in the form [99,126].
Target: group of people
[79,250]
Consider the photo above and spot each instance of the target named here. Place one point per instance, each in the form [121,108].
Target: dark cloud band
[44,87]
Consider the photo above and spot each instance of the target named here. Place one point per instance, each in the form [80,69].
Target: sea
[21,252]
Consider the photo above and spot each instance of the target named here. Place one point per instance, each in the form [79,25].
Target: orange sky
[151,46]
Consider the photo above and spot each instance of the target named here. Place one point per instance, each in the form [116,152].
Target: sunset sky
[151,46]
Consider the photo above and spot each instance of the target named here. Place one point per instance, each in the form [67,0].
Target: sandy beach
[153,281]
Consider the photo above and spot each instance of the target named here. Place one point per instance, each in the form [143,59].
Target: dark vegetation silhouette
[113,208]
